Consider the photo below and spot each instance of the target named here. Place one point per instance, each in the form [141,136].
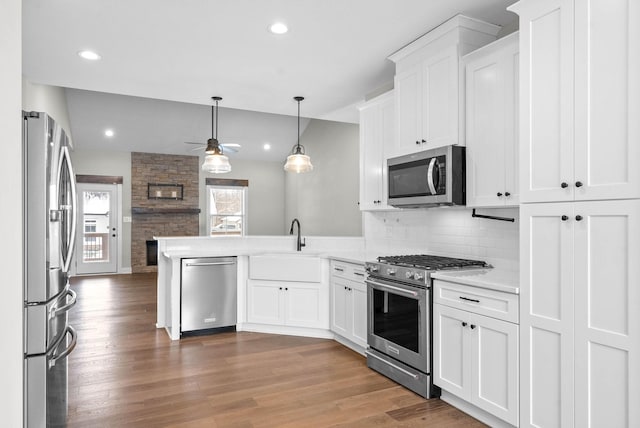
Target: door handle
[74,340]
[211,264]
[62,309]
[391,287]
[71,207]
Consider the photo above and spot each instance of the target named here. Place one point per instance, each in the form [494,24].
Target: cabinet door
[494,355]
[607,104]
[440,103]
[607,316]
[265,302]
[408,90]
[376,132]
[546,104]
[303,306]
[370,158]
[546,315]
[485,130]
[339,308]
[451,363]
[359,312]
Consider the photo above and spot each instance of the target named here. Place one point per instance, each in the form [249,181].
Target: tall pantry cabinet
[580,213]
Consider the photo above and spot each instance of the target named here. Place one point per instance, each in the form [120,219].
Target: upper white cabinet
[580,99]
[377,132]
[429,84]
[580,314]
[491,74]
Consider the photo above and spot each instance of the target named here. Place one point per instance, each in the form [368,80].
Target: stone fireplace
[164,201]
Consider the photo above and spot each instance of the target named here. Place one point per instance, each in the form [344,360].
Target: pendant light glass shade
[215,161]
[298,161]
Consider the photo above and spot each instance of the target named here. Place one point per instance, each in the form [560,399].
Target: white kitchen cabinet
[428,82]
[349,303]
[580,314]
[476,356]
[287,303]
[580,99]
[491,74]
[377,132]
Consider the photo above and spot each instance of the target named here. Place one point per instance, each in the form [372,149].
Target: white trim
[474,411]
[286,330]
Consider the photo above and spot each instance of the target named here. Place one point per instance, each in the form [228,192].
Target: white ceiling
[187,51]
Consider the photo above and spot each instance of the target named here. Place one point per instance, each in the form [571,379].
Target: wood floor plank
[126,373]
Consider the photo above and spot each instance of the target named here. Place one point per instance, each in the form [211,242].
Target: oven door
[398,321]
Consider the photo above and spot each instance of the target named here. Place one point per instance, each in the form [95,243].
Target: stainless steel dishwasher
[209,295]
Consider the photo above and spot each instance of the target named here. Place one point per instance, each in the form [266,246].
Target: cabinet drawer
[351,271]
[478,300]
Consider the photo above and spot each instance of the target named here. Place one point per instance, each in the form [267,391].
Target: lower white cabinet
[476,358]
[293,304]
[349,302]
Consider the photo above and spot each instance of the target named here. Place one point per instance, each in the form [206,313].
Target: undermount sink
[286,266]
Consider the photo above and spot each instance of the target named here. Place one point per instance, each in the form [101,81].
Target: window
[89,226]
[226,206]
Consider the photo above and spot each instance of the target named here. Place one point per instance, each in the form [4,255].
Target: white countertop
[493,279]
[348,256]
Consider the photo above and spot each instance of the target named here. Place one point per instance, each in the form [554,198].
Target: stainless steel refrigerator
[49,191]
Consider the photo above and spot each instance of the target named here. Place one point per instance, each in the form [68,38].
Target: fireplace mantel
[147,210]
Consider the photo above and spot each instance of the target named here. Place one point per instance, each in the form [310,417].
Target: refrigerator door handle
[74,340]
[70,207]
[70,304]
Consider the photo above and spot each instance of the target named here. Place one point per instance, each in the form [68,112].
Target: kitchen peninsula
[171,250]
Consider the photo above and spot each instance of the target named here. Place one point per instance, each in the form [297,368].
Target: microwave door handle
[432,166]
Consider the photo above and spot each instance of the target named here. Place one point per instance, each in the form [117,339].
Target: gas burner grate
[430,262]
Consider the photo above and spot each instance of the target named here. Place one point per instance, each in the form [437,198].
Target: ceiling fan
[226,147]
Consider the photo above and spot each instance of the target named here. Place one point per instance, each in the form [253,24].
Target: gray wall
[108,162]
[50,99]
[265,198]
[11,217]
[326,199]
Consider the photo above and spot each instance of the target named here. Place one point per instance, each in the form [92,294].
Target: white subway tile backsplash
[445,231]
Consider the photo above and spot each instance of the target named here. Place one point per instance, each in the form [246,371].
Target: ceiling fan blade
[192,142]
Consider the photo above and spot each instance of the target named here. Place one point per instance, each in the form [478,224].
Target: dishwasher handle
[210,264]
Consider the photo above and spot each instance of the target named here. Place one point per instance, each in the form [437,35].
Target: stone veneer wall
[160,168]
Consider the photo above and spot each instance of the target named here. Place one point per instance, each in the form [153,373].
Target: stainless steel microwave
[428,178]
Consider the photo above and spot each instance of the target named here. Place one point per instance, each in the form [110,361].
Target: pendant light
[215,161]
[297,161]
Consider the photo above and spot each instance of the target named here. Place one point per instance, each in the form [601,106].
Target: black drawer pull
[358,273]
[472,326]
[464,324]
[338,269]
[469,300]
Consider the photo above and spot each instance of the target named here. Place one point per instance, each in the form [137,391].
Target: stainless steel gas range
[399,317]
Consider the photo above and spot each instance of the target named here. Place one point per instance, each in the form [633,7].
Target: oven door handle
[391,287]
[413,375]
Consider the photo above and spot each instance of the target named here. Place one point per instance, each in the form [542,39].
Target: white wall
[49,99]
[11,219]
[445,231]
[265,199]
[106,162]
[326,199]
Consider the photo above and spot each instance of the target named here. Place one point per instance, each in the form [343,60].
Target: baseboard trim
[474,411]
[288,331]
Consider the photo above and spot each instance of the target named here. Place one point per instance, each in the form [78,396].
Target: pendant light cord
[298,125]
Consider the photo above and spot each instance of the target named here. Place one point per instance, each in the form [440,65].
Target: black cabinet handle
[464,324]
[286,289]
[417,142]
[507,194]
[564,185]
[280,288]
[472,326]
[564,218]
[578,217]
[469,300]
[498,194]
[578,183]
[424,141]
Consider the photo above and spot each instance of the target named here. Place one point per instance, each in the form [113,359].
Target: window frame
[230,184]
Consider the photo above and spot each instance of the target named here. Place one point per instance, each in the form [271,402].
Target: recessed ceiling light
[90,55]
[267,146]
[278,28]
[109,133]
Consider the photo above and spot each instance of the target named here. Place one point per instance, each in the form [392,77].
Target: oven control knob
[408,275]
[372,269]
[418,276]
[391,271]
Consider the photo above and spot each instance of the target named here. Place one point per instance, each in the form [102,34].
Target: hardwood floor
[126,373]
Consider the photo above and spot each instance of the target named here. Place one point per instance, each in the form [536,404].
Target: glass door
[97,235]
